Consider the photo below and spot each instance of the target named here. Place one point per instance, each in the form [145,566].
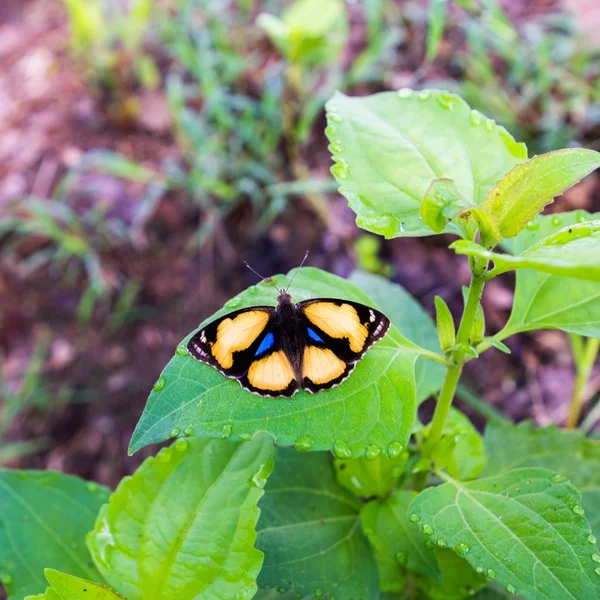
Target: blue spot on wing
[266,344]
[313,335]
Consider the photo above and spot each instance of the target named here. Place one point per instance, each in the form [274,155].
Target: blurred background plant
[149,147]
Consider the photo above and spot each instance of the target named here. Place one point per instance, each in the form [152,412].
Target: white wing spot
[372,317]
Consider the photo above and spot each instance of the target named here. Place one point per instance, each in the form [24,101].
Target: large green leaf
[571,252]
[309,530]
[412,321]
[524,191]
[546,301]
[67,587]
[399,544]
[183,526]
[523,528]
[44,517]
[388,148]
[568,453]
[373,409]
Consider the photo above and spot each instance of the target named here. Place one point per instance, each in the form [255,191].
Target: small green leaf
[445,324]
[543,300]
[183,526]
[304,40]
[412,321]
[309,530]
[443,203]
[375,406]
[525,527]
[524,191]
[44,517]
[388,148]
[369,478]
[437,20]
[568,453]
[570,252]
[460,451]
[492,341]
[399,544]
[74,588]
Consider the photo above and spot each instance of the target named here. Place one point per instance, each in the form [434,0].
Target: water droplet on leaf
[491,574]
[160,384]
[252,290]
[532,225]
[341,169]
[511,589]
[245,437]
[334,117]
[578,510]
[558,478]
[394,450]
[401,557]
[490,124]
[233,303]
[479,570]
[405,93]
[442,543]
[174,432]
[556,221]
[597,571]
[189,431]
[92,487]
[226,431]
[372,452]
[462,549]
[304,444]
[341,450]
[424,94]
[427,529]
[596,558]
[414,518]
[446,100]
[181,351]
[335,147]
[581,216]
[592,539]
[475,117]
[181,445]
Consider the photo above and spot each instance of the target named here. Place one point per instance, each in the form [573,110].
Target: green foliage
[44,517]
[390,146]
[372,412]
[445,324]
[547,301]
[197,498]
[524,529]
[304,39]
[67,587]
[309,530]
[568,453]
[524,191]
[571,252]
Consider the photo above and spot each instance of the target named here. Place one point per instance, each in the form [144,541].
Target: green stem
[584,369]
[453,374]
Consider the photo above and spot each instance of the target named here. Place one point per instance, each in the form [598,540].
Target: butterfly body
[277,350]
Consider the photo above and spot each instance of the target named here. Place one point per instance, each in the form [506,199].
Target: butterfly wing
[245,345]
[338,333]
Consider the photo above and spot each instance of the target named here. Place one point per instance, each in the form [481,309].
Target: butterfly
[276,350]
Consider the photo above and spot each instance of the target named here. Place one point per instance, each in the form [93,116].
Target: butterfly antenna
[263,278]
[296,273]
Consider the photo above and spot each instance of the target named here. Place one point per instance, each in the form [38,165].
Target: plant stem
[584,365]
[453,374]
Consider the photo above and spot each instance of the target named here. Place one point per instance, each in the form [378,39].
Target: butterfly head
[284,298]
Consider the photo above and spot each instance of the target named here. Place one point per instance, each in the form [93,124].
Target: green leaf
[437,20]
[568,453]
[304,40]
[375,407]
[74,588]
[183,526]
[369,478]
[571,252]
[458,579]
[443,203]
[546,301]
[412,321]
[461,450]
[524,528]
[309,530]
[398,543]
[524,191]
[445,324]
[44,517]
[388,148]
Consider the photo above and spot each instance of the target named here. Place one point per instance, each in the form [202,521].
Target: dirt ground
[48,119]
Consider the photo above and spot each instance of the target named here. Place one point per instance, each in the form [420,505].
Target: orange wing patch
[321,365]
[273,372]
[338,322]
[237,334]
